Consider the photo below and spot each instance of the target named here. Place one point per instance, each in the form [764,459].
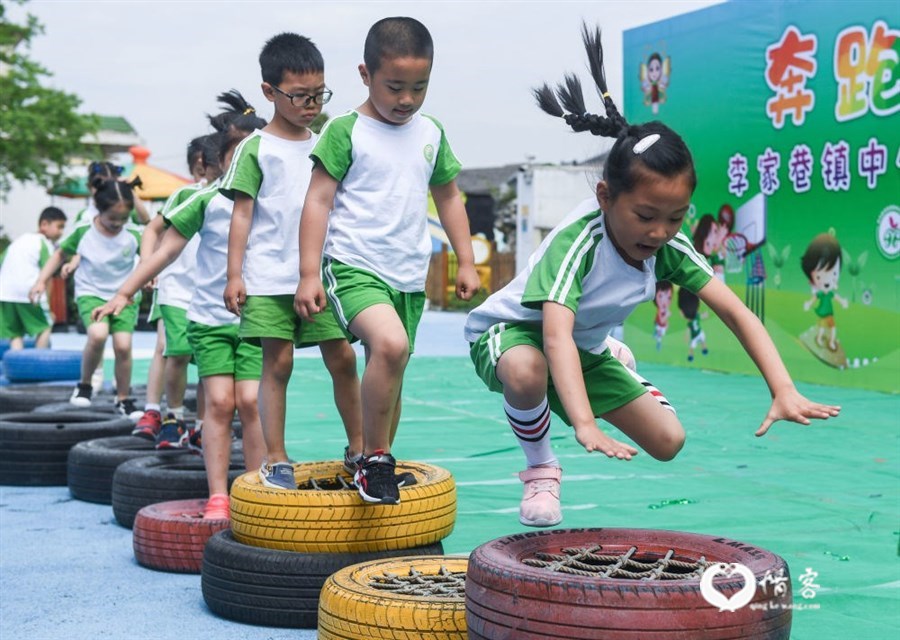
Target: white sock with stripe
[532,429]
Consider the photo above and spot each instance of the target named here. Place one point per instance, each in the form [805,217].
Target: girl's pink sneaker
[540,499]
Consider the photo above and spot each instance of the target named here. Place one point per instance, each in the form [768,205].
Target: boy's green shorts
[122,323]
[220,351]
[351,290]
[19,319]
[609,384]
[274,317]
[175,322]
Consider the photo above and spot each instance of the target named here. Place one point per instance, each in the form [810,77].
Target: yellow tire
[334,519]
[351,608]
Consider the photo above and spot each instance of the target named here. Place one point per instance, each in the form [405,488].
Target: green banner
[792,113]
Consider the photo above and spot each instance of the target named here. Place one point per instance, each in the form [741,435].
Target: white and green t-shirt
[22,263]
[207,215]
[275,172]
[175,284]
[380,217]
[578,266]
[105,261]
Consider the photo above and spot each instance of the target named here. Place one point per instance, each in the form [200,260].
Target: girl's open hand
[791,405]
[592,439]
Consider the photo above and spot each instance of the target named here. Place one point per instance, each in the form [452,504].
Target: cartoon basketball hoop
[735,252]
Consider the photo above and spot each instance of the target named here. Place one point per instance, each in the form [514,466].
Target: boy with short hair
[267,181]
[21,264]
[373,169]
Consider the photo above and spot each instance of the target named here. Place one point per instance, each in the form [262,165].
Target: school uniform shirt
[22,263]
[578,266]
[380,217]
[175,284]
[275,172]
[105,262]
[207,214]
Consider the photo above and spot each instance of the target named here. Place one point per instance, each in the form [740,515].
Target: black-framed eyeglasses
[305,99]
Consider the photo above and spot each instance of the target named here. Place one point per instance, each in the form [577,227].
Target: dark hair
[701,231]
[661,285]
[194,151]
[52,214]
[688,302]
[667,155]
[823,251]
[726,216]
[238,114]
[289,52]
[654,56]
[210,149]
[103,169]
[396,38]
[109,192]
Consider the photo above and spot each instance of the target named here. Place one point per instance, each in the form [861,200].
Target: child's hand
[790,405]
[467,282]
[112,308]
[67,269]
[592,439]
[235,295]
[310,298]
[36,292]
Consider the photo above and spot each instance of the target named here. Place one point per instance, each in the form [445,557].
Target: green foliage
[39,127]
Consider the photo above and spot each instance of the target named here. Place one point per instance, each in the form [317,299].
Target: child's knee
[392,347]
[220,404]
[523,373]
[669,442]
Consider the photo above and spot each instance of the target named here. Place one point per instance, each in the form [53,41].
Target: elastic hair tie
[248,111]
[645,143]
[605,95]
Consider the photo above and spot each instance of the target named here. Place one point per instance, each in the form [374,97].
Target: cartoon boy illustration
[663,301]
[822,265]
[655,80]
[709,240]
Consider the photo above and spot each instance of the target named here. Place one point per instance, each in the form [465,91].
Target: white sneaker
[81,395]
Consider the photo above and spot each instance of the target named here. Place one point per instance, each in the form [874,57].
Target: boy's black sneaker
[127,409]
[352,464]
[81,395]
[375,479]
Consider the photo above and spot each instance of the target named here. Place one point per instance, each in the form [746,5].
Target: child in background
[171,298]
[108,171]
[268,181]
[544,334]
[373,169]
[229,368]
[108,248]
[689,304]
[21,263]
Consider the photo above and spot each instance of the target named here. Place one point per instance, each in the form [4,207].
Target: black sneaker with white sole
[81,395]
[352,464]
[375,479]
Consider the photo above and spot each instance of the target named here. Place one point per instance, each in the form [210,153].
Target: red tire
[507,598]
[171,536]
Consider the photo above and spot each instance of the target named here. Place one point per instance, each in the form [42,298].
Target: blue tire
[42,365]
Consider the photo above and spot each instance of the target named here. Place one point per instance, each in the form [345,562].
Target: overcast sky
[160,64]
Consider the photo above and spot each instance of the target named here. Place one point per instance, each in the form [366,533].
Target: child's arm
[69,268]
[141,209]
[810,302]
[241,217]
[310,298]
[565,369]
[452,214]
[150,237]
[48,270]
[787,403]
[170,247]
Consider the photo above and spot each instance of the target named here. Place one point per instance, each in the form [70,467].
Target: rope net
[629,565]
[444,584]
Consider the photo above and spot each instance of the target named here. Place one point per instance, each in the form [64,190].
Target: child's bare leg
[122,348]
[156,374]
[650,424]
[380,328]
[92,356]
[278,363]
[219,390]
[340,360]
[245,394]
[176,381]
[42,341]
[17,343]
[832,343]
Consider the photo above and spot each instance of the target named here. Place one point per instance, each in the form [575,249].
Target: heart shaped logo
[718,599]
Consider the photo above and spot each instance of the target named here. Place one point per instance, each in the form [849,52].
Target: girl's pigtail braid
[547,101]
[136,183]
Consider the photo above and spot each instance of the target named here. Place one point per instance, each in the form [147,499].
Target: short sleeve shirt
[275,172]
[22,263]
[175,284]
[379,220]
[578,266]
[106,261]
[207,214]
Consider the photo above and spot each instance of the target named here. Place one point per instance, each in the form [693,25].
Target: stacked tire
[283,545]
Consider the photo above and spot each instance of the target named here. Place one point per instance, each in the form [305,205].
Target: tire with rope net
[617,584]
[325,514]
[275,588]
[408,598]
[171,536]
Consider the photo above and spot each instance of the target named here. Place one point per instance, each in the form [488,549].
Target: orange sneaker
[540,499]
[217,507]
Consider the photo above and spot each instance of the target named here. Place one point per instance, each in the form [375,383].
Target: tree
[40,128]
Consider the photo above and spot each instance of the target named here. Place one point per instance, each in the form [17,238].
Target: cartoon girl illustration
[689,304]
[822,265]
[655,80]
[663,302]
[709,240]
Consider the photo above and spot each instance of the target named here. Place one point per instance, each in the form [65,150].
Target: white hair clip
[645,143]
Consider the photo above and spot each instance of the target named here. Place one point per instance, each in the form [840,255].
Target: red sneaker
[148,426]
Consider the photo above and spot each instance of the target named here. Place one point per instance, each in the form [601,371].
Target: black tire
[270,587]
[34,447]
[42,365]
[93,463]
[105,405]
[25,397]
[162,478]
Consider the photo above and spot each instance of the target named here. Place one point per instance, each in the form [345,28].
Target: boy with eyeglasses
[267,180]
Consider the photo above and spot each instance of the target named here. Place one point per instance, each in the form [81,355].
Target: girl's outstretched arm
[787,402]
